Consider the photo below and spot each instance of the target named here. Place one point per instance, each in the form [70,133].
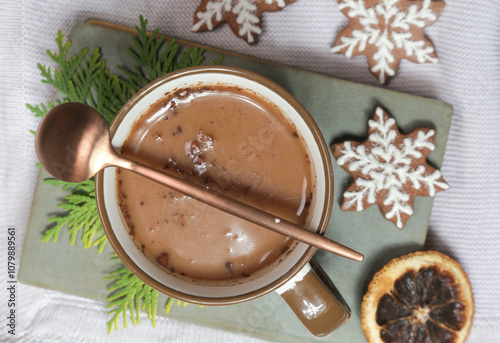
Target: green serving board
[341,109]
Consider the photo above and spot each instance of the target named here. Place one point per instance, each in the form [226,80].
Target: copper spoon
[73,143]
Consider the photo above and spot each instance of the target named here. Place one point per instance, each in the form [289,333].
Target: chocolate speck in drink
[228,140]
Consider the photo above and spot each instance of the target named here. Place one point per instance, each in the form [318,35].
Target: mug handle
[319,306]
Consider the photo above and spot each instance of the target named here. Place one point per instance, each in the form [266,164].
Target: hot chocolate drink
[229,140]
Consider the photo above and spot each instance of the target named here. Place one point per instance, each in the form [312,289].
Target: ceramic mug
[313,303]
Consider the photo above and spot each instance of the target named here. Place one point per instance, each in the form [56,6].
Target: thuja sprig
[154,59]
[112,94]
[79,78]
[80,214]
[75,75]
[128,295]
[85,78]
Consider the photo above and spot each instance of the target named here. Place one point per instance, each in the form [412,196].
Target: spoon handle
[239,209]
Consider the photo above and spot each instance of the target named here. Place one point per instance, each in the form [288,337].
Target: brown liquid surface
[231,141]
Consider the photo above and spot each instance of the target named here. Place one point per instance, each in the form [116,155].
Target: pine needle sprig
[128,295]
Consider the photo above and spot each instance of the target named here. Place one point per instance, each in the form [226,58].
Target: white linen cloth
[465,221]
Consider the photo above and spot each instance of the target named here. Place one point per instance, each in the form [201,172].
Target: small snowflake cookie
[243,16]
[386,31]
[389,169]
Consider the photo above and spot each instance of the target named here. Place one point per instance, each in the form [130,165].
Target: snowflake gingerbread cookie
[243,16]
[386,31]
[389,169]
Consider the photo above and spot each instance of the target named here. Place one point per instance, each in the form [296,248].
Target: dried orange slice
[421,297]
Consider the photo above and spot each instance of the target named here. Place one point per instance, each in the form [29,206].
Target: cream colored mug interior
[277,274]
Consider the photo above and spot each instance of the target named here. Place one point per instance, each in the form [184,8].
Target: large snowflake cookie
[389,169]
[243,16]
[386,31]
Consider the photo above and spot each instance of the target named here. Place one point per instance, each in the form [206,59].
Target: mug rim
[323,222]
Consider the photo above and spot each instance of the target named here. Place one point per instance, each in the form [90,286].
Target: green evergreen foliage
[128,294]
[80,213]
[80,78]
[84,77]
[75,75]
[154,59]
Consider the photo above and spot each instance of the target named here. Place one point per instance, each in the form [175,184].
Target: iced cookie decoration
[386,31]
[243,16]
[389,169]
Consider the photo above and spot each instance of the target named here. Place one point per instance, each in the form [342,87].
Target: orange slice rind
[420,297]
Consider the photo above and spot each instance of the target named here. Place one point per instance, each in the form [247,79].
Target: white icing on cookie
[246,19]
[214,11]
[386,27]
[386,167]
[245,11]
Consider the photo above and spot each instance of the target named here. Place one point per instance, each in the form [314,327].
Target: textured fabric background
[465,222]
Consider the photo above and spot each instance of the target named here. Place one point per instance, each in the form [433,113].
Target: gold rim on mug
[318,142]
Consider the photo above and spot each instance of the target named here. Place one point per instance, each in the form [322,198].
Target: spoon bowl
[72,142]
